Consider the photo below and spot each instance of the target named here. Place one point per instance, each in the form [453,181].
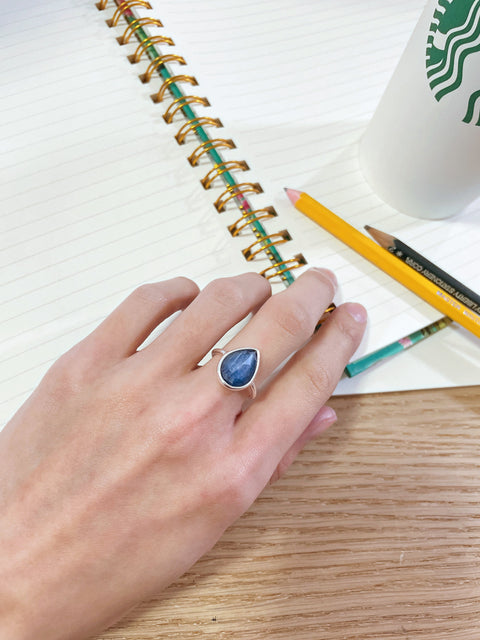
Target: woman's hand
[124,466]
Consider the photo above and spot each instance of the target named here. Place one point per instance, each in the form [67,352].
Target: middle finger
[214,311]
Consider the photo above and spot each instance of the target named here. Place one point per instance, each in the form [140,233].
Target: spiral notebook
[141,141]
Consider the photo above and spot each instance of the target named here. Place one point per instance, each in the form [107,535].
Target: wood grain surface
[374,533]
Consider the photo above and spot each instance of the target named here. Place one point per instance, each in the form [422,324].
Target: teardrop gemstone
[237,369]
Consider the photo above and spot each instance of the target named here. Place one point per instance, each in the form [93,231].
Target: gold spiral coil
[331,307]
[159,60]
[148,42]
[135,25]
[193,124]
[249,217]
[218,169]
[124,6]
[236,191]
[274,238]
[179,103]
[158,97]
[205,147]
[282,267]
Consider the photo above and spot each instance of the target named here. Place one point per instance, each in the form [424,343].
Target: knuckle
[187,285]
[320,275]
[319,381]
[148,293]
[227,293]
[155,293]
[66,375]
[294,320]
[257,281]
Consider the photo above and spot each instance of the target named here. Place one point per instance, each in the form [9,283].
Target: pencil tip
[293,194]
[385,240]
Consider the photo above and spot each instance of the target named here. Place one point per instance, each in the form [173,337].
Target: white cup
[421,150]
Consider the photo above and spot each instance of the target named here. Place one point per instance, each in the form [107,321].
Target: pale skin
[125,466]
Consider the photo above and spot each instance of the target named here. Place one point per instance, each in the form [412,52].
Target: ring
[238,368]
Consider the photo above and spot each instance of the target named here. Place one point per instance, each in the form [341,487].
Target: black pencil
[427,269]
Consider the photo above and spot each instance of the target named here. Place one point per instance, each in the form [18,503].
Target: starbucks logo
[454,38]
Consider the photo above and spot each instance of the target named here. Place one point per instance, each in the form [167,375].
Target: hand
[125,466]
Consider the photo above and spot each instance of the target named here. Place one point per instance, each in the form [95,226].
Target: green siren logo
[453,39]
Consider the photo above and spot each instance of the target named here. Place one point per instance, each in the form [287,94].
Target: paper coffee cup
[421,150]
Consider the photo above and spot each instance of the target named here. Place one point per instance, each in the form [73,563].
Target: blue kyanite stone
[238,368]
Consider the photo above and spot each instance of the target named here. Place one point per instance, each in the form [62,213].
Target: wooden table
[373,534]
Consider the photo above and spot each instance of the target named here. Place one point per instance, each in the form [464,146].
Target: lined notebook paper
[97,196]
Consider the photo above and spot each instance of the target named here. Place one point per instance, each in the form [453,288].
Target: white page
[96,197]
[295,85]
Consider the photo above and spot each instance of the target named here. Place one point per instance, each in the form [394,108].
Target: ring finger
[284,323]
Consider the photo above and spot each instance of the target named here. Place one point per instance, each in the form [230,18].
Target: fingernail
[324,419]
[327,414]
[328,274]
[358,313]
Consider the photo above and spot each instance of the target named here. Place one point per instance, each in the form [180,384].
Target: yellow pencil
[385,261]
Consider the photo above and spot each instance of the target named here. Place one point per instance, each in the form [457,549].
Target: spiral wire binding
[146,77]
[178,103]
[144,44]
[235,192]
[260,214]
[205,147]
[173,80]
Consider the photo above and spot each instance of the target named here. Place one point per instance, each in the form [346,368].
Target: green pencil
[357,366]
